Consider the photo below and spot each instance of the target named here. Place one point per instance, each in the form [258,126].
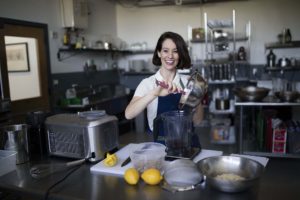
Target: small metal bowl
[247,169]
[287,96]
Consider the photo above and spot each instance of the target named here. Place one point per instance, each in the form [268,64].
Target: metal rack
[221,75]
[242,127]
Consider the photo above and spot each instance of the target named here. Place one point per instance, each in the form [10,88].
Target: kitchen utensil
[251,93]
[283,62]
[195,90]
[148,155]
[287,96]
[231,173]
[15,138]
[145,145]
[43,170]
[222,104]
[177,127]
[182,174]
[127,161]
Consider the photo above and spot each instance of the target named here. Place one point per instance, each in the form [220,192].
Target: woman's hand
[163,88]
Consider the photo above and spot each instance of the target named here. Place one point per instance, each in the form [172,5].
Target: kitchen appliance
[89,134]
[177,127]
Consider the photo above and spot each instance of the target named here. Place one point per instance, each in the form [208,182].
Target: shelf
[220,24]
[94,50]
[147,51]
[223,82]
[266,104]
[132,73]
[278,45]
[237,39]
[287,68]
[74,52]
[89,50]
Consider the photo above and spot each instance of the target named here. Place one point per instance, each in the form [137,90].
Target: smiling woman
[170,54]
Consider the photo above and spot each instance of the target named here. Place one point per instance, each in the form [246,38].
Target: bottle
[66,38]
[241,53]
[271,59]
[287,35]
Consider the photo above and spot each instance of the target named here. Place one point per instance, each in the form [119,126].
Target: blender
[177,127]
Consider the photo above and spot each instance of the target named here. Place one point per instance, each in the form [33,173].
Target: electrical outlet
[53,34]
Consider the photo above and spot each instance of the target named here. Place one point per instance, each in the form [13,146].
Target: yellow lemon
[152,176]
[132,176]
[110,160]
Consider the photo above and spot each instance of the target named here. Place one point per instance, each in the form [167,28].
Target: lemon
[110,160]
[152,176]
[132,176]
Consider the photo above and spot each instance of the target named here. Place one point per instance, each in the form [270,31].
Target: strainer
[181,175]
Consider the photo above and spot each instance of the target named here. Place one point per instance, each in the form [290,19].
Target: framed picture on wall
[17,57]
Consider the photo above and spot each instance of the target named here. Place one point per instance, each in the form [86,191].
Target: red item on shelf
[279,140]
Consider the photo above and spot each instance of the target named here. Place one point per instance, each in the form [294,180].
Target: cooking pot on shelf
[287,96]
[251,93]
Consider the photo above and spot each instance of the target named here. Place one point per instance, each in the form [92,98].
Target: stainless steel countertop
[281,180]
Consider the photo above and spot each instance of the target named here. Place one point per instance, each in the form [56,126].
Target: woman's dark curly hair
[184,57]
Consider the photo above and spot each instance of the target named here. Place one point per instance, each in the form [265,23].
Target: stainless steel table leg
[241,131]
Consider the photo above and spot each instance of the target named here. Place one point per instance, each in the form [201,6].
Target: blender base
[187,155]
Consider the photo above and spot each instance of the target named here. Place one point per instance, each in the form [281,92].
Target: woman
[170,54]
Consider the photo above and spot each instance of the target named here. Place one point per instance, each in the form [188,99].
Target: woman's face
[169,55]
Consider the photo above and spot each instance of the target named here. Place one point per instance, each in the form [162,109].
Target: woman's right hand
[163,88]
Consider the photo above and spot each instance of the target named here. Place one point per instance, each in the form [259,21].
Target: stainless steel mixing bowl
[287,96]
[214,167]
[251,93]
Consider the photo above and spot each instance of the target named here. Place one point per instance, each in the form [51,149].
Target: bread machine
[89,134]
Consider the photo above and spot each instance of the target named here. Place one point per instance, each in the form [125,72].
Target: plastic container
[148,155]
[222,132]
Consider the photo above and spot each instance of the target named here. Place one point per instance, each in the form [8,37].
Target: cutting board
[122,155]
[124,152]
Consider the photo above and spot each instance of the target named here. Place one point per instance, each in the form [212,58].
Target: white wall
[268,18]
[133,25]
[101,25]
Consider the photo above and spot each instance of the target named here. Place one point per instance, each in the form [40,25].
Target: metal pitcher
[194,91]
[14,138]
